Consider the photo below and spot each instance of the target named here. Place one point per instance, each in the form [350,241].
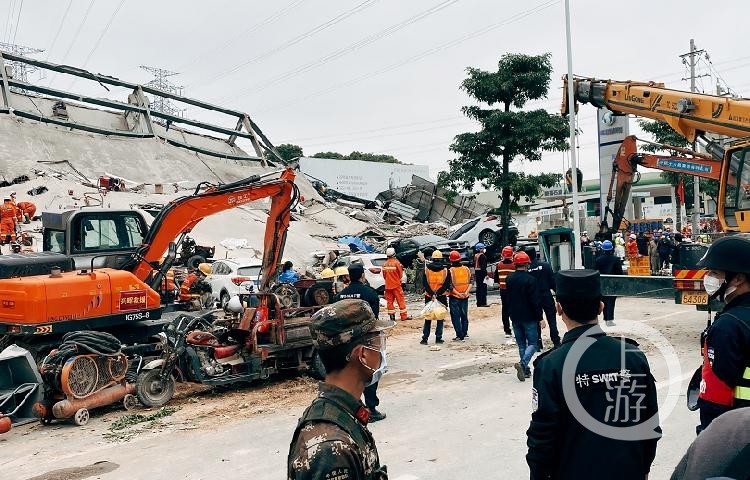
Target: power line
[442,120]
[59,29]
[78,31]
[104,32]
[419,56]
[348,49]
[9,22]
[266,21]
[18,21]
[323,26]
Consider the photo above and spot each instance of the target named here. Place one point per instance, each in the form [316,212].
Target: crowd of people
[610,375]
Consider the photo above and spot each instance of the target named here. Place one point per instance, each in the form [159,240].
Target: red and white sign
[133,300]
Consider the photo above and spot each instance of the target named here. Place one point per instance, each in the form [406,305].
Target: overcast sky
[377,76]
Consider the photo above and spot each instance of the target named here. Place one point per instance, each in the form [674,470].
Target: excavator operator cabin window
[737,189]
[99,234]
[133,231]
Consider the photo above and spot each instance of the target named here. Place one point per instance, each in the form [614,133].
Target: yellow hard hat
[327,273]
[205,268]
[437,255]
[342,270]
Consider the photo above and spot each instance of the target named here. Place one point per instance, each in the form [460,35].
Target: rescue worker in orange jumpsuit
[436,283]
[725,345]
[458,296]
[504,268]
[632,246]
[186,293]
[393,271]
[27,211]
[8,221]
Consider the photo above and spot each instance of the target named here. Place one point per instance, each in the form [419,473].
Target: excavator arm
[182,215]
[625,171]
[689,114]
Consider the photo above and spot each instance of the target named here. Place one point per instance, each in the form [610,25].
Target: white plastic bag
[489,281]
[434,310]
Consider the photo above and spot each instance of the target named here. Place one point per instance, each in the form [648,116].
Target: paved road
[456,412]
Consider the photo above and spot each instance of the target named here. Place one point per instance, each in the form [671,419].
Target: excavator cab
[734,194]
[109,237]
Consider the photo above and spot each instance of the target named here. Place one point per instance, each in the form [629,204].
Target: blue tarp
[356,243]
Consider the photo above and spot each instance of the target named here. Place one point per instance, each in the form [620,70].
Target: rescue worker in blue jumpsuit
[725,376]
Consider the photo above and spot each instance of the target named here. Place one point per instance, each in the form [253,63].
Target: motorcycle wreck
[239,345]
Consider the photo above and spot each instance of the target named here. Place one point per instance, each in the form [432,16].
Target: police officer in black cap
[332,440]
[725,377]
[358,290]
[595,413]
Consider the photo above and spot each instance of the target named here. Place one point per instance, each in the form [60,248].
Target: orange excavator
[692,115]
[47,294]
[100,330]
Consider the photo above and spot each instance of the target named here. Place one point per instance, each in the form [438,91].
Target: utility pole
[161,82]
[20,71]
[573,163]
[693,56]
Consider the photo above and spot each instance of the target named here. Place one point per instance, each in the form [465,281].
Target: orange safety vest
[503,270]
[435,279]
[461,280]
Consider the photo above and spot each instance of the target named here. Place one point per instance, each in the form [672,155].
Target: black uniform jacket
[612,392]
[609,264]
[545,279]
[360,291]
[524,302]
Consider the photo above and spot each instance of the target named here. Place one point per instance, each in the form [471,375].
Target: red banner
[681,192]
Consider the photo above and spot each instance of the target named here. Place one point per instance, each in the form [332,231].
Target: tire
[317,296]
[317,369]
[150,390]
[488,237]
[194,261]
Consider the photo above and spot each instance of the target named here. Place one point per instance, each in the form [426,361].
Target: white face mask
[713,284]
[382,368]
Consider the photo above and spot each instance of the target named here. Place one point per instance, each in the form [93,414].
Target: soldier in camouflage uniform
[331,441]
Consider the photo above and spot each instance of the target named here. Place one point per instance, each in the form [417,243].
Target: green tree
[335,155]
[507,135]
[663,133]
[287,151]
[355,155]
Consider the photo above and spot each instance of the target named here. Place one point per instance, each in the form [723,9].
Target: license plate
[694,298]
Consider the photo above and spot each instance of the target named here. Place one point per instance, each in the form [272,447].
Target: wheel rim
[82,416]
[487,237]
[321,296]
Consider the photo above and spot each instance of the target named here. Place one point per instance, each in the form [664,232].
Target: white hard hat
[390,252]
[234,304]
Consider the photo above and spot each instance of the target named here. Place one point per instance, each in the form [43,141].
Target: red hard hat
[507,252]
[454,256]
[521,258]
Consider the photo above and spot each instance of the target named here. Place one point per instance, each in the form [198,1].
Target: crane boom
[689,114]
[624,171]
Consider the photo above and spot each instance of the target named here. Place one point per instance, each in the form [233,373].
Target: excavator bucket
[20,386]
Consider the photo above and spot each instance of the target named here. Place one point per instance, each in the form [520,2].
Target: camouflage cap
[343,322]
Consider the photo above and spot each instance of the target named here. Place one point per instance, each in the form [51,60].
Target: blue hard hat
[479,246]
[607,245]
